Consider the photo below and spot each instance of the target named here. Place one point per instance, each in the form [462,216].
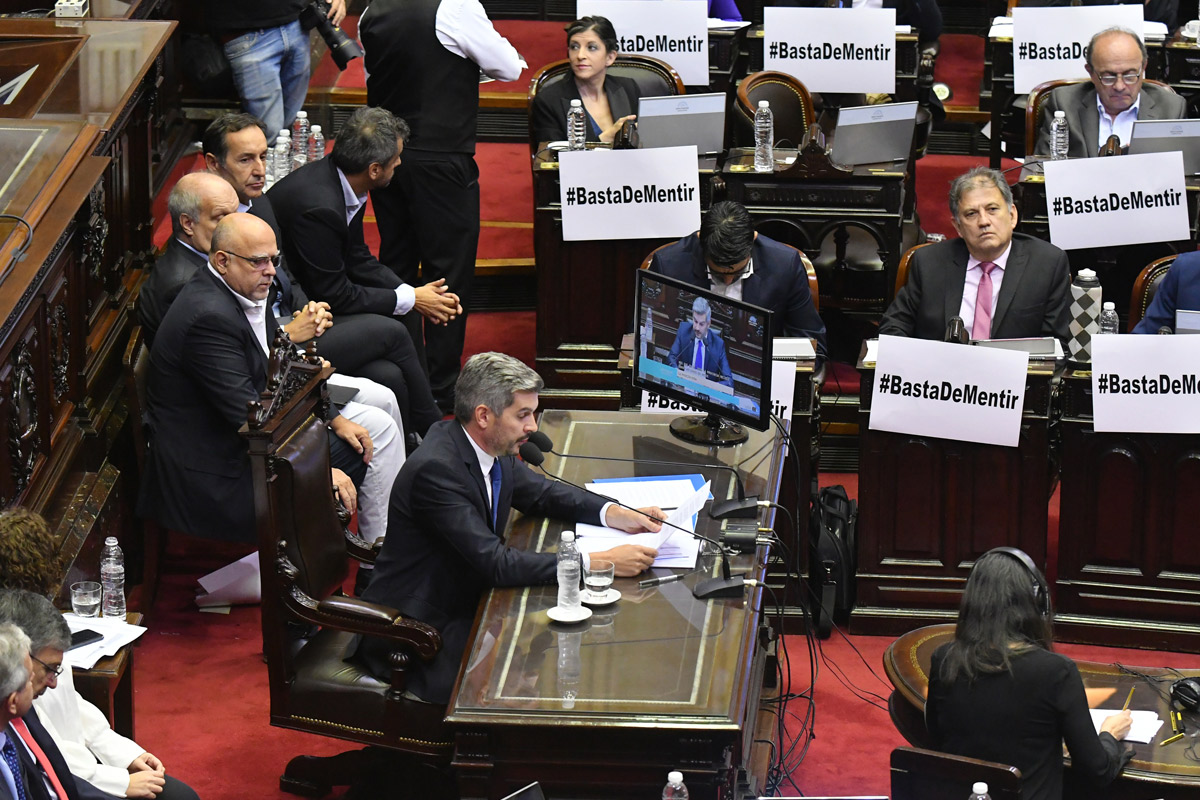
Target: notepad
[1145,723]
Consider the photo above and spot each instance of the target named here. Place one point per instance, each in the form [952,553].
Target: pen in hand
[1128,699]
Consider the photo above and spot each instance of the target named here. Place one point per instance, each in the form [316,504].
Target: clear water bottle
[283,156]
[576,126]
[299,158]
[316,144]
[569,570]
[674,790]
[569,666]
[764,138]
[300,130]
[1060,137]
[1109,321]
[112,579]
[979,792]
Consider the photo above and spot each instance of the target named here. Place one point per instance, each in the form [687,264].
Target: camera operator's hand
[337,11]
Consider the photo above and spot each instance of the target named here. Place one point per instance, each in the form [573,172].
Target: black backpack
[833,557]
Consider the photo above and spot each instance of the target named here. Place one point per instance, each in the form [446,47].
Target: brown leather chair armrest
[361,550]
[359,616]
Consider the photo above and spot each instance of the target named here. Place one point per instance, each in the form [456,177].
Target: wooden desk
[661,680]
[1128,566]
[927,508]
[109,685]
[1159,772]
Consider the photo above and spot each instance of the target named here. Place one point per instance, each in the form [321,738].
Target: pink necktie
[982,327]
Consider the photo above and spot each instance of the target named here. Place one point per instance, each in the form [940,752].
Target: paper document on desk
[1145,723]
[665,492]
[116,632]
[678,550]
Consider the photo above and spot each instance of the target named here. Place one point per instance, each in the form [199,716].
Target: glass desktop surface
[656,654]
[31,153]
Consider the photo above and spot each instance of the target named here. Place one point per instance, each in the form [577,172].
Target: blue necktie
[698,354]
[495,476]
[14,765]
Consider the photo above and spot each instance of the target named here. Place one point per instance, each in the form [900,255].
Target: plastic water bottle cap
[316,128]
[304,115]
[763,104]
[979,788]
[1110,306]
[1060,115]
[676,776]
[285,132]
[1086,273]
[568,536]
[575,103]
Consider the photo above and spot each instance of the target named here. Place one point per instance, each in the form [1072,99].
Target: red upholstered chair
[791,105]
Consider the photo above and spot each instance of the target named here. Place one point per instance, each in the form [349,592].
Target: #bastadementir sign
[833,49]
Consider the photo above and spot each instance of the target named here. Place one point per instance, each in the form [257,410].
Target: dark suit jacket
[329,258]
[1078,101]
[441,553]
[1180,288]
[551,105]
[76,789]
[716,364]
[204,368]
[174,268]
[1034,299]
[779,283]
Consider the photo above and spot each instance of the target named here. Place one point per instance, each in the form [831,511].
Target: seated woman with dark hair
[997,693]
[609,100]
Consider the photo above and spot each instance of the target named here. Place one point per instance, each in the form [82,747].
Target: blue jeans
[271,68]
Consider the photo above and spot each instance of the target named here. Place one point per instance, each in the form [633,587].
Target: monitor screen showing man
[704,350]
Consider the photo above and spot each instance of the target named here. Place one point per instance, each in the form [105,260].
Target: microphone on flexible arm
[725,586]
[742,507]
[956,331]
[1166,330]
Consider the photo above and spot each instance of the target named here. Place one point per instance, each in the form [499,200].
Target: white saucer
[559,615]
[608,598]
[558,146]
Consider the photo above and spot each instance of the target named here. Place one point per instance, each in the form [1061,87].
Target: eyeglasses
[258,262]
[1108,79]
[55,670]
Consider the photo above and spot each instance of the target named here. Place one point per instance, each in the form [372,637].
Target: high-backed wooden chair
[929,775]
[902,268]
[808,270]
[307,623]
[136,368]
[1035,107]
[1145,287]
[654,78]
[791,105]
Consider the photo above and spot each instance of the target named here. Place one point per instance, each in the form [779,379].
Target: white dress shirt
[971,288]
[1121,125]
[733,289]
[406,296]
[255,311]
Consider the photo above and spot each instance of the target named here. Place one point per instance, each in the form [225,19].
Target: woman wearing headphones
[997,693]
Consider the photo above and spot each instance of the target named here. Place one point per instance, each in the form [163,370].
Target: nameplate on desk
[1145,384]
[783,392]
[1048,43]
[832,49]
[1104,202]
[673,32]
[629,194]
[948,391]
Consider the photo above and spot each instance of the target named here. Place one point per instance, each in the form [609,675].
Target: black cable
[18,254]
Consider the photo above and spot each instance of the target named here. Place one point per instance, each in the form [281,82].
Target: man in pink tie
[1003,285]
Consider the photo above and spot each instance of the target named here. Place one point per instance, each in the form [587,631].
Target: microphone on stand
[1112,147]
[1166,330]
[956,331]
[725,586]
[742,507]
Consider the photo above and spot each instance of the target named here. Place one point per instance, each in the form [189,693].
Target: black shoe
[411,442]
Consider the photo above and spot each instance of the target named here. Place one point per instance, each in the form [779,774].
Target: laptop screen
[683,119]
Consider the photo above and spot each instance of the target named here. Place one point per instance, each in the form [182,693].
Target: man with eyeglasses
[209,360]
[1113,100]
[728,257]
[103,763]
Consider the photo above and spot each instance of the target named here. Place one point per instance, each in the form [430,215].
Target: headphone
[1041,592]
[1185,694]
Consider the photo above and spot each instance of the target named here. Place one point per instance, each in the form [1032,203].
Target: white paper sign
[629,194]
[1100,202]
[783,393]
[833,49]
[949,391]
[675,32]
[1145,384]
[1048,43]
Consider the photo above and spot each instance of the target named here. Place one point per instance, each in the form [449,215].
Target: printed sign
[629,194]
[833,49]
[1048,43]
[1100,202]
[949,391]
[783,392]
[674,32]
[1145,384]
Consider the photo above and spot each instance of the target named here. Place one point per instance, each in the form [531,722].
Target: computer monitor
[683,119]
[729,378]
[1165,135]
[873,134]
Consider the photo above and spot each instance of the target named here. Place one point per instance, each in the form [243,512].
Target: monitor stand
[710,430]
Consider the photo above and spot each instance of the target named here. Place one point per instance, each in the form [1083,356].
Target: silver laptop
[1164,135]
[1187,321]
[874,134]
[683,119]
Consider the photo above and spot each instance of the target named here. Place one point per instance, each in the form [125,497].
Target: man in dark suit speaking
[1003,285]
[1115,97]
[698,346]
[728,257]
[450,506]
